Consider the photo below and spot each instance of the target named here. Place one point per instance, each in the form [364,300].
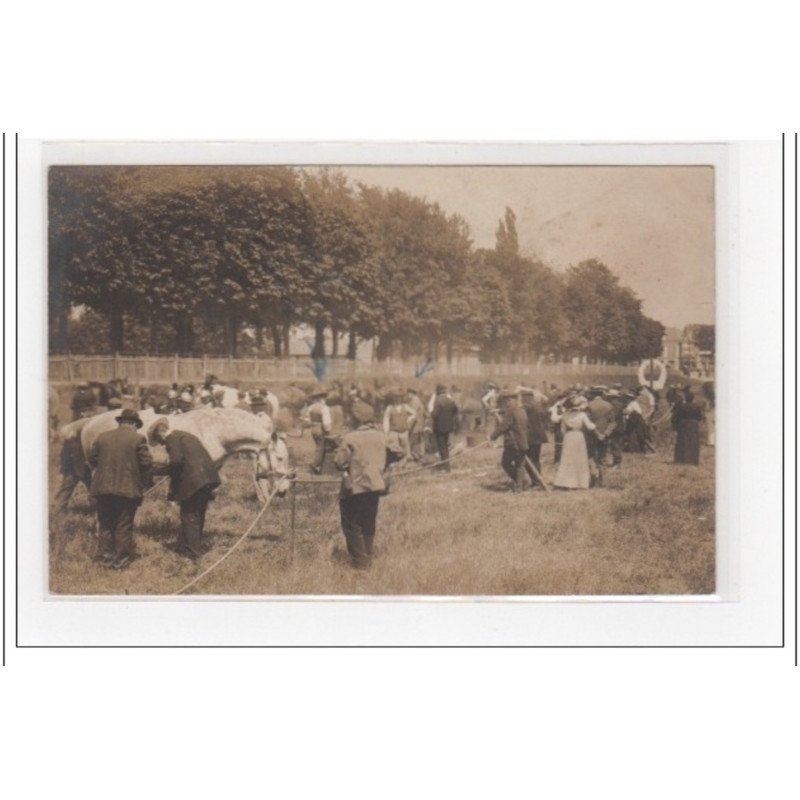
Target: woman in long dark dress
[686,419]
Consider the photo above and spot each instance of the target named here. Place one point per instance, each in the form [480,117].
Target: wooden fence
[180,369]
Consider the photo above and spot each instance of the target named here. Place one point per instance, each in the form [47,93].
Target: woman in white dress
[573,469]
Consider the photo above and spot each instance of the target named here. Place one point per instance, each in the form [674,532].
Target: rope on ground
[235,545]
[155,486]
[412,470]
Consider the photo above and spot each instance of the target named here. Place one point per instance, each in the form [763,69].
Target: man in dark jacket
[84,402]
[74,470]
[537,433]
[513,427]
[121,462]
[444,417]
[193,479]
[604,416]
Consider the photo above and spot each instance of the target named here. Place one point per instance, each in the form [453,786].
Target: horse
[223,432]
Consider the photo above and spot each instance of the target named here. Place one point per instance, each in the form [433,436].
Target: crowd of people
[591,428]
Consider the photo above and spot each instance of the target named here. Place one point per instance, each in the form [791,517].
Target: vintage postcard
[385,379]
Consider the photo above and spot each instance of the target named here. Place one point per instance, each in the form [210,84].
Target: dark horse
[104,392]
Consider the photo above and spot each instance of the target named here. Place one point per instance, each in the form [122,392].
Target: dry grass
[650,530]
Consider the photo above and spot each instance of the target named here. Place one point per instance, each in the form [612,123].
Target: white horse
[222,431]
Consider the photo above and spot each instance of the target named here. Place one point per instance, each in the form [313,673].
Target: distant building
[679,352]
[671,346]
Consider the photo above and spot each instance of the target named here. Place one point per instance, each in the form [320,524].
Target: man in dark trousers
[74,470]
[604,416]
[362,458]
[537,433]
[512,425]
[615,439]
[193,479]
[122,465]
[444,417]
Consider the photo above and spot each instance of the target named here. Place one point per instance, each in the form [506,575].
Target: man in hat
[398,420]
[537,433]
[361,457]
[186,399]
[193,479]
[84,402]
[319,417]
[122,465]
[241,401]
[258,402]
[614,442]
[74,470]
[602,413]
[513,427]
[444,418]
[635,425]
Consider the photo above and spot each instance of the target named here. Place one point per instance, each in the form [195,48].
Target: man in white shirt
[398,419]
[319,417]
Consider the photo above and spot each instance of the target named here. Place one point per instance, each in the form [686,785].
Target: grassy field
[649,530]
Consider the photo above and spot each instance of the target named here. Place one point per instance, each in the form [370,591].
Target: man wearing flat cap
[538,417]
[122,466]
[321,421]
[513,427]
[361,457]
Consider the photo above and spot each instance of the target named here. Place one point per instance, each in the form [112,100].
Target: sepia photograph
[381,380]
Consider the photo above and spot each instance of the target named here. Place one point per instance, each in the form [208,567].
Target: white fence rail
[179,369]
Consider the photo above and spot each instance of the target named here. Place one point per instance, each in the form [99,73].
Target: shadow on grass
[503,487]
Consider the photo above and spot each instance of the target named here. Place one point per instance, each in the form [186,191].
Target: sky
[653,226]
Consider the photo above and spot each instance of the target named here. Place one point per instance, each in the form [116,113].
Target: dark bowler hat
[129,415]
[440,388]
[319,392]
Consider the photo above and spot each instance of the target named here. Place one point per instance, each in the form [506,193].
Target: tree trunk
[335,342]
[319,341]
[62,331]
[117,331]
[153,334]
[351,345]
[449,352]
[277,340]
[384,349]
[259,340]
[231,329]
[286,328]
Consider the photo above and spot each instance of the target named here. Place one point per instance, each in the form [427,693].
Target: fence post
[147,368]
[255,365]
[175,365]
[69,367]
[205,366]
[116,366]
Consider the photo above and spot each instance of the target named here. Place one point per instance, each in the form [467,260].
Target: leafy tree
[421,257]
[704,337]
[343,262]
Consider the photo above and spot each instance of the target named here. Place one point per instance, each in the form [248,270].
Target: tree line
[226,260]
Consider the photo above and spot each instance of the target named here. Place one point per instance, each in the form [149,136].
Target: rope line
[235,545]
[155,486]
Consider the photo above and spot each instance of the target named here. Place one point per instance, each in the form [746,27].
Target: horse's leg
[260,476]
